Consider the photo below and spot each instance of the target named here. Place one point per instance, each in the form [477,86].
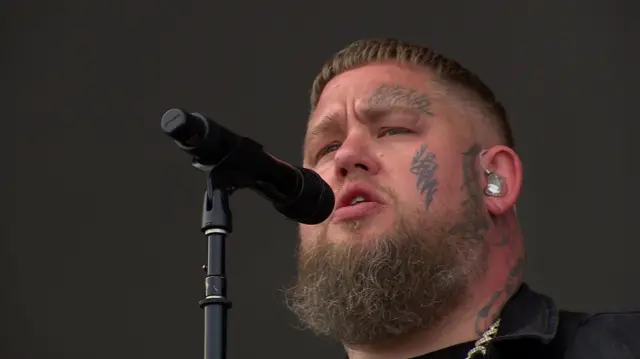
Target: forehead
[357,85]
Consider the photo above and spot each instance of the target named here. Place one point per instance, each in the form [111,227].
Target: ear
[504,162]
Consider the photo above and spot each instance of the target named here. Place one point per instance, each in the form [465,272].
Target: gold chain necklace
[487,336]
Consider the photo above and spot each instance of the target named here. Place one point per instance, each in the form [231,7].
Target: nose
[356,155]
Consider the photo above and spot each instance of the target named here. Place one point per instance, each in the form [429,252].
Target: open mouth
[357,202]
[358,199]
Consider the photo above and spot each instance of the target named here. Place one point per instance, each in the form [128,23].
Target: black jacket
[533,327]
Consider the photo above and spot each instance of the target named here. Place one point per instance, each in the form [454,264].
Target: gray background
[102,251]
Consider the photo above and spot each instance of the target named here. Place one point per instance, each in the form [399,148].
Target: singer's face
[388,133]
[384,133]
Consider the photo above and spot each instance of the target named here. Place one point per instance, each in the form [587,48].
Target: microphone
[298,193]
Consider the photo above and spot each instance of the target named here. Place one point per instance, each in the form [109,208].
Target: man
[423,255]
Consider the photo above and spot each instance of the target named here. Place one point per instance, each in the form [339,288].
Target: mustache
[358,177]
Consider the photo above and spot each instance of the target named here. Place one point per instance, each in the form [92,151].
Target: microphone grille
[315,203]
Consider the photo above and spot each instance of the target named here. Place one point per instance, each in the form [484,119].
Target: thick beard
[365,291]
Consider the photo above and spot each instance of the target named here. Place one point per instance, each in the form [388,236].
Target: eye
[394,131]
[324,151]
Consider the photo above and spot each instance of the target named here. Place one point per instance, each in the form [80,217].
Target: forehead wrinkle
[373,115]
[366,112]
[384,99]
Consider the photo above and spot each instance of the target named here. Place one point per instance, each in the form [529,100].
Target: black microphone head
[315,203]
[185,128]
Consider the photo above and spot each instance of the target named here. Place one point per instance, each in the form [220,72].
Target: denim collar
[528,315]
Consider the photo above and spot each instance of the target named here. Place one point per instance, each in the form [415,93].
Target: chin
[365,229]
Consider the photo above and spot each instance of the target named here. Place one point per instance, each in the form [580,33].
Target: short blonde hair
[447,71]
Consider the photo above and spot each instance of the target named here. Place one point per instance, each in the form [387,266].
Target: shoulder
[611,335]
[619,324]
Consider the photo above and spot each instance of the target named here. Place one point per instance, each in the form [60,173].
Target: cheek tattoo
[424,167]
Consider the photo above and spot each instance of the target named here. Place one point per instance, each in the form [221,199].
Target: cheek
[450,187]
[325,171]
[432,180]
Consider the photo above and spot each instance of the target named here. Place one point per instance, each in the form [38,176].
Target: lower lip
[357,211]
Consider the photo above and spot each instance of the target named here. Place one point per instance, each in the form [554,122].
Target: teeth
[357,199]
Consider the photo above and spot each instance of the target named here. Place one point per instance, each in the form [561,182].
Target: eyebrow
[371,114]
[326,124]
[385,99]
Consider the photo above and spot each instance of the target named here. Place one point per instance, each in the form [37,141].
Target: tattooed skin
[473,205]
[490,312]
[424,167]
[475,229]
[390,95]
[509,238]
[478,224]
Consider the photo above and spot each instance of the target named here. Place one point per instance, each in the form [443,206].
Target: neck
[489,294]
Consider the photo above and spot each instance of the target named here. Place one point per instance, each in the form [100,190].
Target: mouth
[356,202]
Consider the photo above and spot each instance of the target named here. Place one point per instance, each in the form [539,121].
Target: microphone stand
[230,163]
[223,178]
[224,174]
[216,224]
[222,181]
